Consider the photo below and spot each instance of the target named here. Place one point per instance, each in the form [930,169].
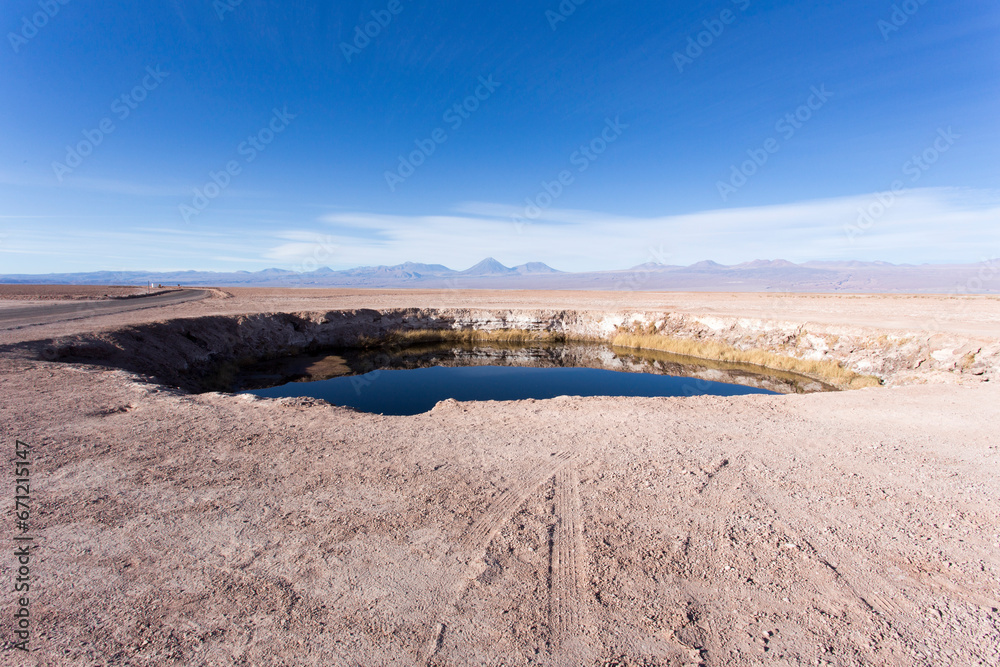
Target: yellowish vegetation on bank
[825,370]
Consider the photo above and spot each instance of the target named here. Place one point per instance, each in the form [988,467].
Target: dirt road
[19,316]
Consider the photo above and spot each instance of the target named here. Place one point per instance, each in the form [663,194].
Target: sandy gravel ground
[70,292]
[852,528]
[977,315]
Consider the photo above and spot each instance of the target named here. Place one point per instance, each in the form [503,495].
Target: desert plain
[856,527]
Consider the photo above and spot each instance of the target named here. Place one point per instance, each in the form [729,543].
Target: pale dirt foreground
[852,528]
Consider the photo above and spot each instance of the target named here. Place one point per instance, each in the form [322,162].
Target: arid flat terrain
[72,292]
[948,314]
[846,528]
[63,306]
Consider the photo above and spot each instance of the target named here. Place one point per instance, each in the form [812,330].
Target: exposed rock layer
[186,352]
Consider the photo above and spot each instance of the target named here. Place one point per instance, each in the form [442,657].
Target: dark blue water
[410,392]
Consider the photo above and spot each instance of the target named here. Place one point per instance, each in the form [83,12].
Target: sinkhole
[397,380]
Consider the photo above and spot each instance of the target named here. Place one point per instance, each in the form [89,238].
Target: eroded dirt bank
[188,352]
[847,528]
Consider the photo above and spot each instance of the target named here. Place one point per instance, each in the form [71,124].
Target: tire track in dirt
[723,485]
[568,607]
[472,546]
[844,582]
[482,532]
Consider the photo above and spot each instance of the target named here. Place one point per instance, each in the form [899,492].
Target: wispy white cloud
[126,188]
[940,224]
[925,225]
[114,186]
[123,187]
[189,233]
[240,260]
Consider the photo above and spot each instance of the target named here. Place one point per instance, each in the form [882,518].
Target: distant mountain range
[757,276]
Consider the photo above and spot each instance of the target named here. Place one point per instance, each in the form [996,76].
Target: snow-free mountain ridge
[760,275]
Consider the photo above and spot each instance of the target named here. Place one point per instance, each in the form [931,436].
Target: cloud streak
[936,225]
[925,225]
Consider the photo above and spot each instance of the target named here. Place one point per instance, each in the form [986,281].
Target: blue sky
[234,135]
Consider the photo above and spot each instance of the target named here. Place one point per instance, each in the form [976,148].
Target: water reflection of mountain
[309,368]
